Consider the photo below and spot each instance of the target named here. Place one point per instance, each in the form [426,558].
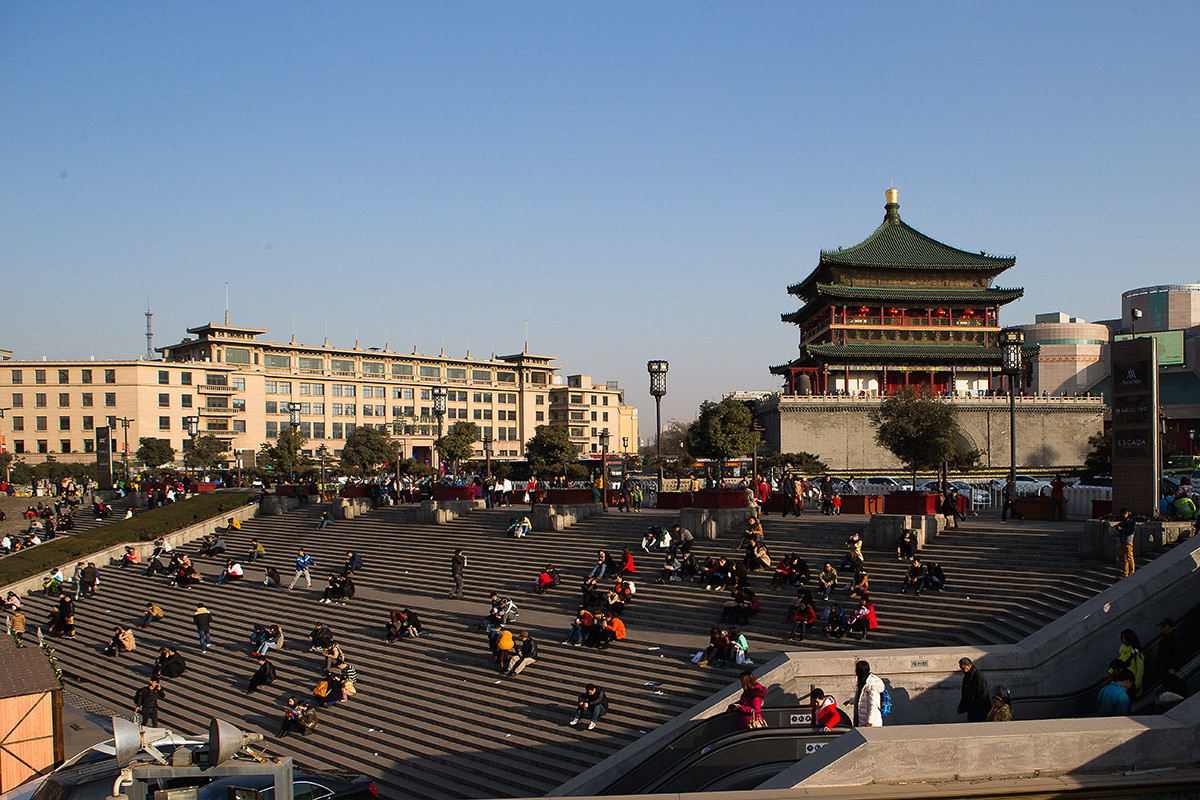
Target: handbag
[757,721]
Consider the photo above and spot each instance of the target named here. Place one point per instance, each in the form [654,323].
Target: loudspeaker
[130,739]
[224,740]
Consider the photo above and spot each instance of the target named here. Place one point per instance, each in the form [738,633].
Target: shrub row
[144,527]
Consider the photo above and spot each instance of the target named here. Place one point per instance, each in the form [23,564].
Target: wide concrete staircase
[433,719]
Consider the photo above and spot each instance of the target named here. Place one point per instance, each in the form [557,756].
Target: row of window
[577,399]
[64,399]
[43,446]
[64,376]
[346,366]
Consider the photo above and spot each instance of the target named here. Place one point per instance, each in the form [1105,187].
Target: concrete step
[444,724]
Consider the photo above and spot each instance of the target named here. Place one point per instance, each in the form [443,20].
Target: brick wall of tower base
[1049,434]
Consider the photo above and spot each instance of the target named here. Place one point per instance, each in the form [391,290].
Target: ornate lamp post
[658,390]
[439,409]
[398,429]
[192,424]
[604,439]
[487,456]
[2,410]
[294,423]
[322,451]
[125,456]
[1011,342]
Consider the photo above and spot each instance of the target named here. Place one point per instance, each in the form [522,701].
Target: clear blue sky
[639,180]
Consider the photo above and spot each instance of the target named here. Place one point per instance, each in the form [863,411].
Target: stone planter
[1100,542]
[862,504]
[1032,507]
[709,523]
[910,503]
[442,492]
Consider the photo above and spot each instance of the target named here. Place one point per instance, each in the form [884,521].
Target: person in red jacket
[862,619]
[802,617]
[825,713]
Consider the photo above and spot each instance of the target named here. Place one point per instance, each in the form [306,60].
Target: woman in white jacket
[867,697]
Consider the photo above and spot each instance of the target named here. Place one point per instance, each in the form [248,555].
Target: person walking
[202,617]
[868,697]
[1125,531]
[66,615]
[145,702]
[594,701]
[16,624]
[975,701]
[1058,499]
[458,566]
[1009,497]
[304,562]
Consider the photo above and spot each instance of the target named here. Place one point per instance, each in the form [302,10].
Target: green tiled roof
[897,244]
[987,296]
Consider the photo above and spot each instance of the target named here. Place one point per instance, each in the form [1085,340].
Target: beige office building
[245,390]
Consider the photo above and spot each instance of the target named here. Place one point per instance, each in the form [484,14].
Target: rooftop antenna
[527,335]
[149,332]
[326,333]
[293,330]
[226,302]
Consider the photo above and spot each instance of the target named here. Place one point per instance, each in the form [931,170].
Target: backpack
[321,689]
[885,703]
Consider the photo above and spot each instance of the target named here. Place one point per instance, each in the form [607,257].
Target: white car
[1026,485]
[879,484]
[978,496]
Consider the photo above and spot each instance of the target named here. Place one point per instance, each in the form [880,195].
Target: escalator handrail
[1091,690]
[701,733]
[735,739]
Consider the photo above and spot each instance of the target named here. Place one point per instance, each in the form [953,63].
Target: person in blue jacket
[1113,700]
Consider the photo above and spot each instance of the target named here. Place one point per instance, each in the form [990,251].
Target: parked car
[978,496]
[1098,481]
[879,484]
[1026,485]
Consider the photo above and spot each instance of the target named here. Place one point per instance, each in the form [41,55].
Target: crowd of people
[607,593]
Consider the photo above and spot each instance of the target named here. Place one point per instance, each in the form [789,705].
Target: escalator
[713,755]
[712,752]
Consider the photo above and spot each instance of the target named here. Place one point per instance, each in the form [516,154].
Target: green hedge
[144,527]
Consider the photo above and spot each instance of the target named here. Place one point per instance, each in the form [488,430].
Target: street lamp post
[1134,315]
[604,439]
[193,427]
[2,410]
[397,430]
[1011,342]
[294,423]
[487,457]
[322,451]
[439,410]
[125,456]
[658,390]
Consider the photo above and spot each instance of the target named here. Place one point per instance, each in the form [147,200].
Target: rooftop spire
[892,208]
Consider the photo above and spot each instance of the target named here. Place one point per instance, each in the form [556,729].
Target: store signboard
[104,475]
[1135,438]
